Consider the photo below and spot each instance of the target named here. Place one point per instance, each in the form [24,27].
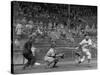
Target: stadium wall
[18,59]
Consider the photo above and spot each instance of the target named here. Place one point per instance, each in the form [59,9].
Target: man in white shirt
[85,45]
[19,29]
[39,31]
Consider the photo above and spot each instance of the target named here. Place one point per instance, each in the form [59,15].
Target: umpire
[28,54]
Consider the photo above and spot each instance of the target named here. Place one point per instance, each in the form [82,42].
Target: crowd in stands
[46,20]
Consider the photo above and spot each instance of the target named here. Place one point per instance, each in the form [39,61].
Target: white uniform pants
[49,59]
[86,53]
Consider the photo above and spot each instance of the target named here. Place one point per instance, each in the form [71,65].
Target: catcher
[51,58]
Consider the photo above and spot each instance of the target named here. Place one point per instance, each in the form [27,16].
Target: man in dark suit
[29,54]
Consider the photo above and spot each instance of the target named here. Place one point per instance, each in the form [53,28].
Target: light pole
[68,21]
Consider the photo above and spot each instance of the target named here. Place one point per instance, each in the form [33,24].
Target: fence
[18,58]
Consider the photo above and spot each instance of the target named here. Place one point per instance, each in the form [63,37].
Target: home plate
[37,63]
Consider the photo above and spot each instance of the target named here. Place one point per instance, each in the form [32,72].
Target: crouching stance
[51,58]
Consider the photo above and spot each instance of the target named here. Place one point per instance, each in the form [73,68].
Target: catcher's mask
[53,45]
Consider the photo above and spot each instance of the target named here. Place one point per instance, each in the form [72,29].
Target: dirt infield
[62,66]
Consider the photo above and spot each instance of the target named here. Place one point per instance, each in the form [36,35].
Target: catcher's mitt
[61,55]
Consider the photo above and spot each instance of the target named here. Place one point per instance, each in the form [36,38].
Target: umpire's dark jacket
[27,48]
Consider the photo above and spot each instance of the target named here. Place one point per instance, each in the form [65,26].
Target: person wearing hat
[50,57]
[85,45]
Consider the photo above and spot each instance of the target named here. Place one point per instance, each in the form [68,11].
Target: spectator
[28,27]
[19,29]
[50,25]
